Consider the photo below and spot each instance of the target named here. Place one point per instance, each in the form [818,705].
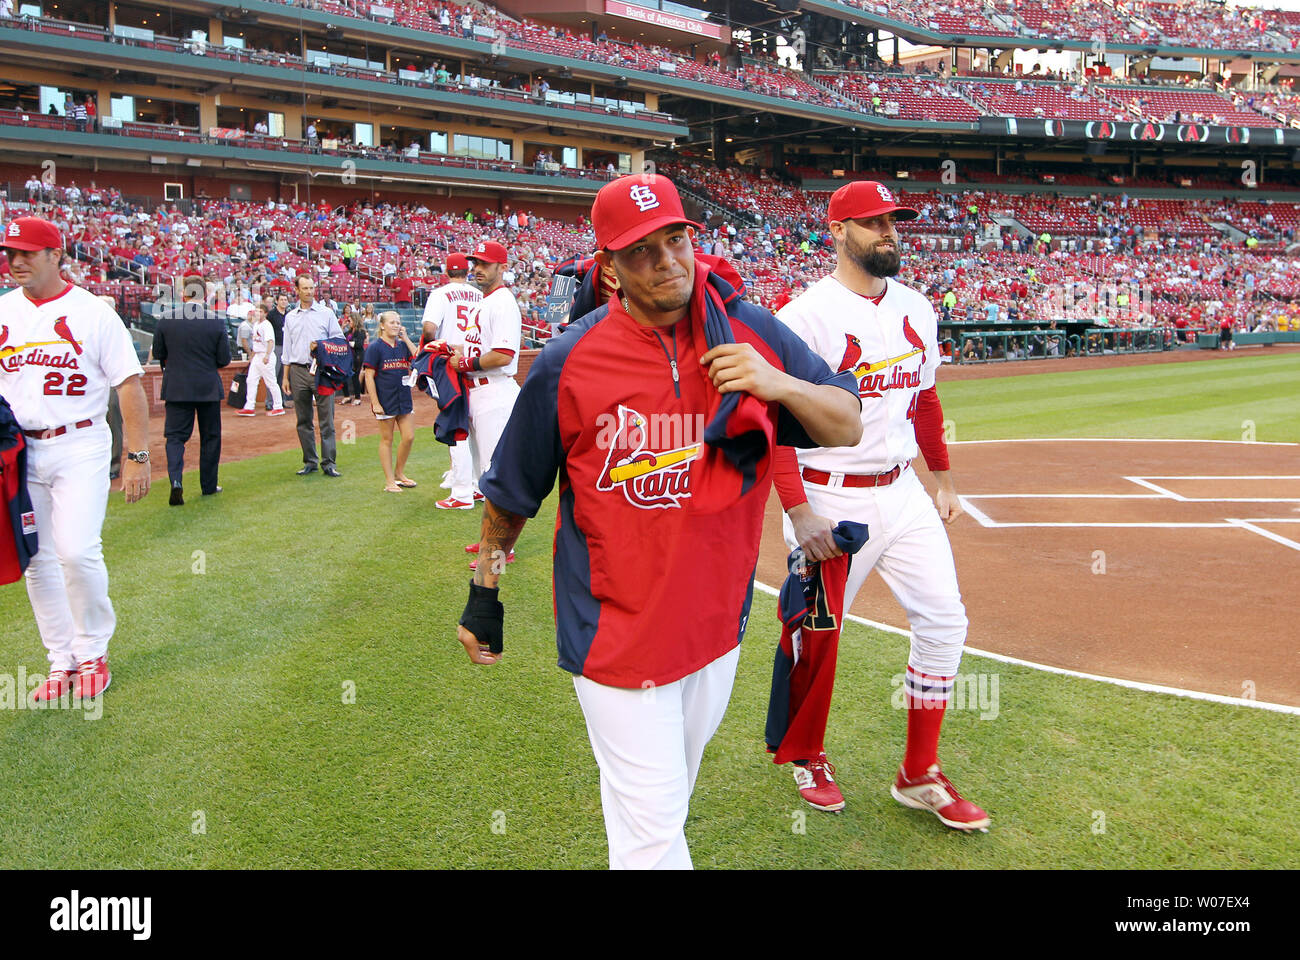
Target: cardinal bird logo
[913,338]
[61,328]
[649,480]
[871,382]
[852,353]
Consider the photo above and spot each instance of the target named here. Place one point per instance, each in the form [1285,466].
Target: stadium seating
[917,98]
[1182,23]
[1191,23]
[1032,98]
[768,79]
[1163,104]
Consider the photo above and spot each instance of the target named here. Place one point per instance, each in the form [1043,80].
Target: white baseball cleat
[446,480]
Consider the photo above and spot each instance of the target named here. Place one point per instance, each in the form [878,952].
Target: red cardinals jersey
[803,675]
[657,532]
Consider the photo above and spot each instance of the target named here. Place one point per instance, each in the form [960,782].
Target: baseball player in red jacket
[61,350]
[658,413]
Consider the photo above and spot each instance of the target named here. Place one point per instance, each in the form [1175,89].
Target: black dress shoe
[177,499]
[208,493]
[306,470]
[332,472]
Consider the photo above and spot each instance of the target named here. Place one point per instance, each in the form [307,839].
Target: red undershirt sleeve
[928,425]
[789,485]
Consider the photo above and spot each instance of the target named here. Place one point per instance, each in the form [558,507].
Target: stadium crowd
[1172,268]
[882,93]
[1184,23]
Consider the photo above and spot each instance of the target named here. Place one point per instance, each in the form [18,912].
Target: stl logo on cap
[644,198]
[884,193]
[15,230]
[482,247]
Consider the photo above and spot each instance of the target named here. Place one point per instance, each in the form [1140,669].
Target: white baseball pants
[489,410]
[260,371]
[463,481]
[67,581]
[648,744]
[908,544]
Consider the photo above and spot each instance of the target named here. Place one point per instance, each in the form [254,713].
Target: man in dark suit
[192,344]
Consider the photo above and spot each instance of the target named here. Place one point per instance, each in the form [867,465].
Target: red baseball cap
[866,198]
[630,208]
[489,251]
[456,261]
[32,233]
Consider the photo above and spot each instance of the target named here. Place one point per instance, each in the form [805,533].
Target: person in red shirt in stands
[402,287]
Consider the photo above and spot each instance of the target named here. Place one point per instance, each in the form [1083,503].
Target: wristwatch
[139,456]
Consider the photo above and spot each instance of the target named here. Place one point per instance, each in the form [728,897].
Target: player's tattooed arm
[500,530]
[481,625]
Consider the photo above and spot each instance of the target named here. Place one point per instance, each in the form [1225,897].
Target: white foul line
[1066,496]
[1275,537]
[1248,443]
[1157,524]
[978,514]
[1115,681]
[1143,482]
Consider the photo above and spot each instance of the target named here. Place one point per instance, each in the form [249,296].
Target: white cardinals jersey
[59,357]
[263,333]
[449,308]
[892,348]
[495,323]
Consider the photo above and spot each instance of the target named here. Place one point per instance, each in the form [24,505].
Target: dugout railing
[989,346]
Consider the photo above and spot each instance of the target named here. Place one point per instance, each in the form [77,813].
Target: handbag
[238,390]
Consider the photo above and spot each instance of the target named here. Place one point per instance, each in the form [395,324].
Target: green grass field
[302,702]
[1197,400]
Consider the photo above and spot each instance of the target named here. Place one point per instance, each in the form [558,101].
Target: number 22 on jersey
[55,385]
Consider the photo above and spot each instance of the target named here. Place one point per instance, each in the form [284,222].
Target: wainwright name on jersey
[59,357]
[892,349]
[449,309]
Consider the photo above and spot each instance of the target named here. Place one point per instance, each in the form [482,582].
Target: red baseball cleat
[934,792]
[92,678]
[451,503]
[471,548]
[478,496]
[816,783]
[276,413]
[473,564]
[245,413]
[54,686]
